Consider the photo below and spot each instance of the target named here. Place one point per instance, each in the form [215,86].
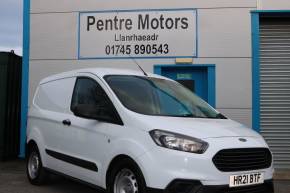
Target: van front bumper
[161,166]
[194,186]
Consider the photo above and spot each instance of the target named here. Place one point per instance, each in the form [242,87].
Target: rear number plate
[246,179]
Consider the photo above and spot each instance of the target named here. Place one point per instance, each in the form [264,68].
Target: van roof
[100,72]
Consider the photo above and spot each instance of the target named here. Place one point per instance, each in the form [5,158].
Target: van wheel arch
[29,146]
[114,163]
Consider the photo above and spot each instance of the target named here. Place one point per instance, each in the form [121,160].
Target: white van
[131,132]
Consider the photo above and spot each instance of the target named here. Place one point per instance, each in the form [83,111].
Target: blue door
[200,79]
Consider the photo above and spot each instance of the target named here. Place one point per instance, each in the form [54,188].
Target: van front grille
[242,159]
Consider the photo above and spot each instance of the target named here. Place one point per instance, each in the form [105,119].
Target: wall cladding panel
[53,36]
[236,93]
[273,4]
[220,35]
[38,6]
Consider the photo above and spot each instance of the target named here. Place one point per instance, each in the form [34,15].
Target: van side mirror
[95,112]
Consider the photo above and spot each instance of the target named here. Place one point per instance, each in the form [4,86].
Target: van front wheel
[126,177]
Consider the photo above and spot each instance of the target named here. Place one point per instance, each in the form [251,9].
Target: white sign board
[137,33]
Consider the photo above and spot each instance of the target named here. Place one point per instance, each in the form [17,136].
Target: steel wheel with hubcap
[36,174]
[125,182]
[33,165]
[126,177]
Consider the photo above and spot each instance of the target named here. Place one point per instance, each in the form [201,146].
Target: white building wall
[224,39]
[273,4]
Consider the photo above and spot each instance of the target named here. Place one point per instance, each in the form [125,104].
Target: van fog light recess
[178,142]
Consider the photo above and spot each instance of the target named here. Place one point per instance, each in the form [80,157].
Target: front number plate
[246,179]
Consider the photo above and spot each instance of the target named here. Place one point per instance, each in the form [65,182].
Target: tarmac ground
[13,180]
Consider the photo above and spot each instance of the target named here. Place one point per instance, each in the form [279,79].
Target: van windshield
[161,97]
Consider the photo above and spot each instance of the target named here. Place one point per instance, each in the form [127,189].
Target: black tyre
[126,177]
[36,174]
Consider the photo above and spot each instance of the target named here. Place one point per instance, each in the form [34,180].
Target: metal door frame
[25,77]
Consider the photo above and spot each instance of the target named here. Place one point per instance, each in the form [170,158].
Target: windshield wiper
[220,116]
[192,116]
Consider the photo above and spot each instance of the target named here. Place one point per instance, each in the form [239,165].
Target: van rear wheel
[36,174]
[126,177]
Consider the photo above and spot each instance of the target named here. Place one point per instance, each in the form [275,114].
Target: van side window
[88,93]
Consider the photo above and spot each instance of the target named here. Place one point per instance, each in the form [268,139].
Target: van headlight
[178,141]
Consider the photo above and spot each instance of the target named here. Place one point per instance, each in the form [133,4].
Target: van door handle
[66,122]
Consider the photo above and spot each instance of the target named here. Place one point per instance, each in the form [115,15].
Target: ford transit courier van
[127,132]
